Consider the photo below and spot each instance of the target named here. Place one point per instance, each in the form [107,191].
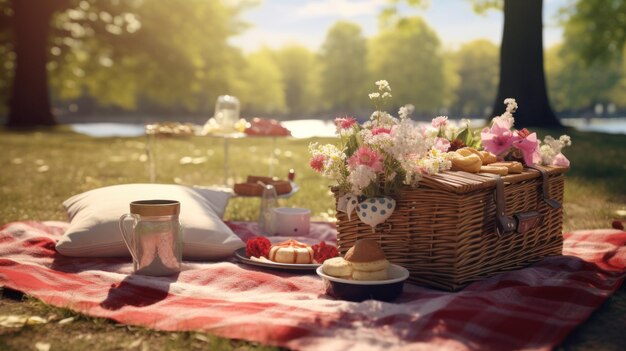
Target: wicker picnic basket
[458,227]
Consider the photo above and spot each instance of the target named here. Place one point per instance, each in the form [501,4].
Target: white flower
[374,96]
[511,105]
[547,154]
[386,95]
[380,141]
[382,119]
[552,147]
[507,116]
[383,85]
[407,141]
[565,140]
[360,178]
[405,111]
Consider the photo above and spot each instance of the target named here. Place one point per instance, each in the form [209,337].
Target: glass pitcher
[227,112]
[155,241]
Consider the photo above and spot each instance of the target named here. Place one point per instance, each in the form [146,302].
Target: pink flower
[442,144]
[345,123]
[498,138]
[528,145]
[366,157]
[560,161]
[381,130]
[317,163]
[440,121]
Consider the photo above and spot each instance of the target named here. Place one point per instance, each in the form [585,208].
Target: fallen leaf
[201,337]
[135,343]
[18,321]
[66,320]
[44,168]
[185,160]
[42,346]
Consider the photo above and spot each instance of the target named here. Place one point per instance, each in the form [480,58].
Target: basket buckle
[545,188]
[504,224]
[519,223]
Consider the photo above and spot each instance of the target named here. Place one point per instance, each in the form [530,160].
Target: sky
[275,23]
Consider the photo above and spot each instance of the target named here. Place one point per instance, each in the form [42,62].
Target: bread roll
[487,157]
[512,166]
[466,151]
[465,161]
[494,170]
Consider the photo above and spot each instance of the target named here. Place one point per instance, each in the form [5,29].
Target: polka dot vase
[375,210]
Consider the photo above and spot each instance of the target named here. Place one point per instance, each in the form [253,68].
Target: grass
[40,169]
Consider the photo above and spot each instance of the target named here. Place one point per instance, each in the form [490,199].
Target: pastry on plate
[368,260]
[291,251]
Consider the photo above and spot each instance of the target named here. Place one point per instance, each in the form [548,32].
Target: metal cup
[155,241]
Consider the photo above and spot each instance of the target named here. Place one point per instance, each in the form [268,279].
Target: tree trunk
[29,104]
[521,65]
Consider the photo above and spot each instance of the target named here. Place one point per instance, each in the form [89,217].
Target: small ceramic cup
[291,221]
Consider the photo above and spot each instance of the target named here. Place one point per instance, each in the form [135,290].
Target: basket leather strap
[518,223]
[545,188]
[504,224]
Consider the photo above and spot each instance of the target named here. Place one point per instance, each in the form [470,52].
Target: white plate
[241,256]
[396,274]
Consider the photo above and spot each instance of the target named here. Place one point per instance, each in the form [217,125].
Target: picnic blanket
[532,308]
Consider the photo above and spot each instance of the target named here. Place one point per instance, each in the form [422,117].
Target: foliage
[596,29]
[409,56]
[174,56]
[573,85]
[119,51]
[260,85]
[477,67]
[301,79]
[343,67]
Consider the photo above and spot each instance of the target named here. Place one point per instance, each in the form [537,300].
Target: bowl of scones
[362,274]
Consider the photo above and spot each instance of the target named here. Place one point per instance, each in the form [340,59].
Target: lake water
[309,128]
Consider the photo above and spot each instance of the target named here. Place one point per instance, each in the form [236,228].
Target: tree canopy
[477,67]
[409,56]
[174,57]
[344,76]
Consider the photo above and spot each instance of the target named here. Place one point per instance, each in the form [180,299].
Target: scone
[337,267]
[368,260]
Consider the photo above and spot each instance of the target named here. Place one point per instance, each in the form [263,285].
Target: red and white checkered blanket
[533,308]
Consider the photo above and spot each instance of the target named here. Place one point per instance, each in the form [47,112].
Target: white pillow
[94,217]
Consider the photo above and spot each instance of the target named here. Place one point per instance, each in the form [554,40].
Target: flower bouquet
[373,160]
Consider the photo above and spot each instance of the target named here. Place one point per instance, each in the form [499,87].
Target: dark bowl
[361,290]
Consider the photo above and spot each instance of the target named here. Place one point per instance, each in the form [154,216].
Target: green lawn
[40,169]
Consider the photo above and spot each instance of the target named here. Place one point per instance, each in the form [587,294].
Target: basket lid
[460,182]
